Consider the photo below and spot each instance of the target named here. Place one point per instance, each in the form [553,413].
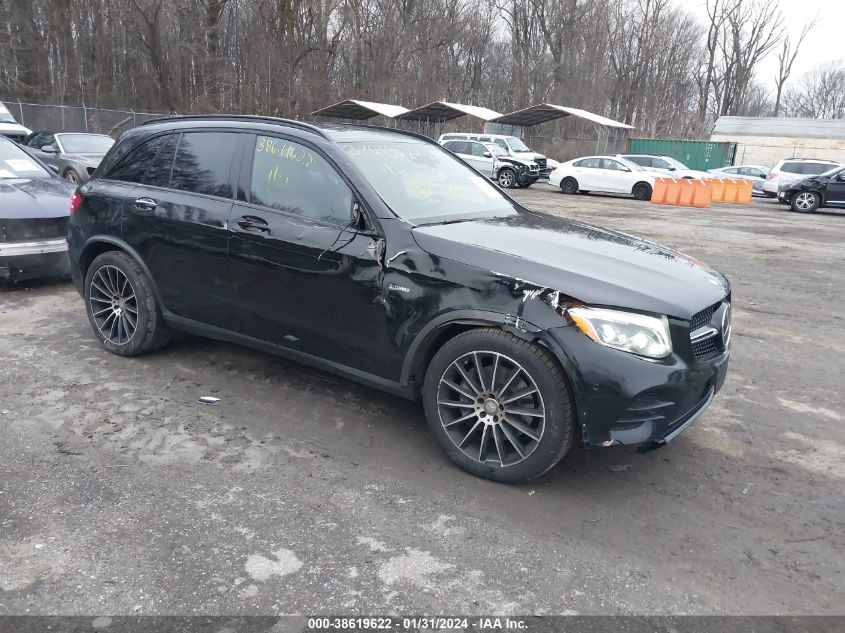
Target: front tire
[805,202]
[642,191]
[122,307]
[569,185]
[71,176]
[499,406]
[506,178]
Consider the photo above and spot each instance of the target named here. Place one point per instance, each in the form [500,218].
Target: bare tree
[820,93]
[786,57]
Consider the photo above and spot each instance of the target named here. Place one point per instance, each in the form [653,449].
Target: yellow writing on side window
[284,150]
[276,178]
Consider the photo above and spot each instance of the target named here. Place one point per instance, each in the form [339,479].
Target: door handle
[253,223]
[145,204]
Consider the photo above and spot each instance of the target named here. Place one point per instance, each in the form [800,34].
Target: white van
[511,144]
[9,127]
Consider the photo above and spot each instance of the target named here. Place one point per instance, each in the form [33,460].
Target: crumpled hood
[34,198]
[593,265]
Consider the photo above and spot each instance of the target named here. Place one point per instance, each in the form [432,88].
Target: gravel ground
[303,493]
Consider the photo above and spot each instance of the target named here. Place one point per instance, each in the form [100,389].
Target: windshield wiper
[442,222]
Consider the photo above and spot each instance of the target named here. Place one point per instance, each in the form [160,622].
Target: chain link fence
[62,118]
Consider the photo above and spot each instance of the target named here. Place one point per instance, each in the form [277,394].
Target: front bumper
[624,399]
[32,260]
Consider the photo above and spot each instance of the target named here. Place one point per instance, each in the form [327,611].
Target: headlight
[626,331]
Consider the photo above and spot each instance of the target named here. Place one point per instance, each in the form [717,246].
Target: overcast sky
[826,42]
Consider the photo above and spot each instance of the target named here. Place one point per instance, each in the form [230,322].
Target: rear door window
[643,161]
[814,169]
[591,163]
[609,163]
[295,179]
[455,146]
[203,162]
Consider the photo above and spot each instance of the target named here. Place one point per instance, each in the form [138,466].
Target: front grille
[700,319]
[541,162]
[707,349]
[33,229]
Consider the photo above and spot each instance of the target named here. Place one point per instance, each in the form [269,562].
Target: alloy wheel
[114,305]
[491,408]
[72,177]
[506,179]
[805,201]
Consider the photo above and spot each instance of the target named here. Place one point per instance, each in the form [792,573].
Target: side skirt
[190,326]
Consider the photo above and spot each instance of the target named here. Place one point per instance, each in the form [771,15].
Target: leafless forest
[649,63]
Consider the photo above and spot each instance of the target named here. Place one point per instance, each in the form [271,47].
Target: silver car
[757,174]
[74,155]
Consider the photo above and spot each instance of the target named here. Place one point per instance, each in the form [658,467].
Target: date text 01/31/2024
[438,623]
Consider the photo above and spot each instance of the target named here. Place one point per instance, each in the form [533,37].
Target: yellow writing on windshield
[381,150]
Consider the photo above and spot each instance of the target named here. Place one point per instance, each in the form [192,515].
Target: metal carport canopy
[543,112]
[360,110]
[442,111]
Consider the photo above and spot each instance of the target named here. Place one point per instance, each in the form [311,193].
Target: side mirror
[487,154]
[359,221]
[49,149]
[841,177]
[673,169]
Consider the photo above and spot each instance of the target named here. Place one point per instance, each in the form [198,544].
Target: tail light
[75,202]
[771,175]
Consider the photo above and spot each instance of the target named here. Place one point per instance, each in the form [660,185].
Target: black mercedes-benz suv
[378,255]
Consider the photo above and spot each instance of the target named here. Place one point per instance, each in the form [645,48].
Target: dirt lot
[300,492]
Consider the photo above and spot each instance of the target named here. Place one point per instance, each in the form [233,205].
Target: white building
[766,140]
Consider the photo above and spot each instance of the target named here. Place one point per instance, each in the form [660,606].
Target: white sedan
[607,174]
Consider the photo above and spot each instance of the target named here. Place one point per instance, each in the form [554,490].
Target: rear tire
[805,202]
[569,185]
[122,307]
[642,191]
[520,420]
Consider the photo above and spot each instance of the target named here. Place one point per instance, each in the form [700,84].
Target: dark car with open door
[378,255]
[34,208]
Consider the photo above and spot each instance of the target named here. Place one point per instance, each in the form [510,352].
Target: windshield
[675,163]
[517,145]
[85,143]
[425,184]
[495,149]
[16,163]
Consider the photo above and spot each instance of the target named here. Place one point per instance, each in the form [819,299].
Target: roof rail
[239,117]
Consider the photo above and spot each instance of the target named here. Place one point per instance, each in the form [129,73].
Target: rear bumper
[20,261]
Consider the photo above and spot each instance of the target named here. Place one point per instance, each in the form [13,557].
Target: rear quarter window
[134,167]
